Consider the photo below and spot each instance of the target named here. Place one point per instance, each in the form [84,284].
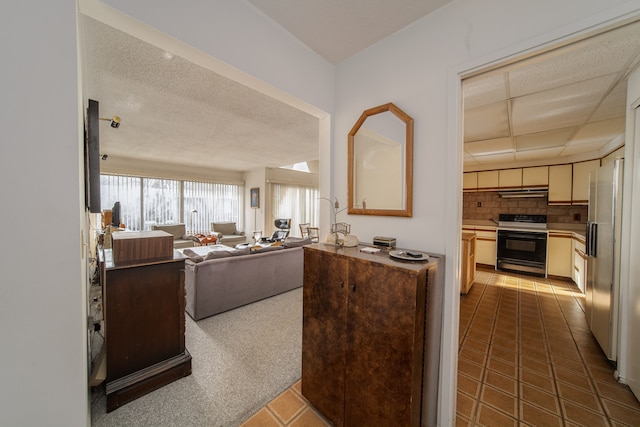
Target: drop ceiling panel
[543,154]
[482,91]
[592,147]
[613,105]
[607,54]
[603,131]
[558,108]
[488,122]
[549,139]
[492,146]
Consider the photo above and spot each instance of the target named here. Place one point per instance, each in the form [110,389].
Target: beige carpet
[242,359]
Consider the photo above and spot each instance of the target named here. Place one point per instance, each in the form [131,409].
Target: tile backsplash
[487,205]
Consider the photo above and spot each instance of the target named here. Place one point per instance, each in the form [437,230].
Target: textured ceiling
[337,29]
[567,102]
[174,111]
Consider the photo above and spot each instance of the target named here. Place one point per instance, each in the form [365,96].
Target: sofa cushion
[224,227]
[226,253]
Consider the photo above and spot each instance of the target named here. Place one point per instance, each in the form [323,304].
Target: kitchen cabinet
[579,273]
[560,184]
[486,246]
[470,181]
[468,258]
[370,341]
[488,180]
[510,179]
[559,254]
[581,171]
[535,177]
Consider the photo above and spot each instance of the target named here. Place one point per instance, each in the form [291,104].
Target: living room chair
[283,226]
[314,234]
[304,230]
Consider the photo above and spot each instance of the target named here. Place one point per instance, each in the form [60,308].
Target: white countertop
[576,228]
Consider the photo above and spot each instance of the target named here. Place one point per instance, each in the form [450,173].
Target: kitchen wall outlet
[479,204]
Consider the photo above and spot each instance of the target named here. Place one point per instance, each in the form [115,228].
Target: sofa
[179,233]
[227,233]
[219,278]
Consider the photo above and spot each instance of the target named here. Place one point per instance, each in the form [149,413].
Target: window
[300,203]
[207,202]
[148,201]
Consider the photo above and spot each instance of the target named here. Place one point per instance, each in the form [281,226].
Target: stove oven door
[522,251]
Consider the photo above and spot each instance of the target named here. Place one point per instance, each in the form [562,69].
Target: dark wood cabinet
[144,327]
[371,337]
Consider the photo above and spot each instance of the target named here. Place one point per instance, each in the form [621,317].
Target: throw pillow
[224,227]
[192,255]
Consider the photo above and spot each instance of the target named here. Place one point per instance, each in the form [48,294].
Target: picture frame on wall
[255,198]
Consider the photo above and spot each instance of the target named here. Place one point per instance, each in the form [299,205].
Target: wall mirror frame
[380,179]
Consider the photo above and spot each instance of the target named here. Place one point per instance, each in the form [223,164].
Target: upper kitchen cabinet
[560,184]
[510,179]
[581,171]
[470,181]
[535,177]
[488,180]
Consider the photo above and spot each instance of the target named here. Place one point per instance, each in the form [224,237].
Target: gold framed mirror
[381,163]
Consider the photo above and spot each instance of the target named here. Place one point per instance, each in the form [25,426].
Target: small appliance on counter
[384,242]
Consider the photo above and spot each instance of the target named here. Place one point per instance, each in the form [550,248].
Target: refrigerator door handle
[594,239]
[588,239]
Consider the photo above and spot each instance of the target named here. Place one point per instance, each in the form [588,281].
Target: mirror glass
[381,163]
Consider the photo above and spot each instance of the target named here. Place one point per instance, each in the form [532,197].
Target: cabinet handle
[353,288]
[341,285]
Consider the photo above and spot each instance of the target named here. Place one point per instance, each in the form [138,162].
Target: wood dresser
[371,336]
[144,306]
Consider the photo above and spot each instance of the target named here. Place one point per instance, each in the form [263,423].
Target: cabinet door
[559,257]
[535,177]
[560,184]
[579,264]
[324,332]
[510,179]
[488,181]
[385,338]
[486,247]
[470,181]
[581,171]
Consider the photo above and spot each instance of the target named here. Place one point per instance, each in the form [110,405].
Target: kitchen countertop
[575,228]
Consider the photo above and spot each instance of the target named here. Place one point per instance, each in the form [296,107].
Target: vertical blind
[148,201]
[300,203]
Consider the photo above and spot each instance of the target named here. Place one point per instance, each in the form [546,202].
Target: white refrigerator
[603,255]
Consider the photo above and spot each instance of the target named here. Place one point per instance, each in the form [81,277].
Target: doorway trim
[580,30]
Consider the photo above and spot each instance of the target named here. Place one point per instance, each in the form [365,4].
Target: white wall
[42,318]
[417,69]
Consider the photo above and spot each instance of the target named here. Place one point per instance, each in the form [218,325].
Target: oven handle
[522,234]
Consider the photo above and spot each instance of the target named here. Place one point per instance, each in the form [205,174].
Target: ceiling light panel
[488,122]
[558,108]
[495,158]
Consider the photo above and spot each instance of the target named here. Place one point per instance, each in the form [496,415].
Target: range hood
[526,192]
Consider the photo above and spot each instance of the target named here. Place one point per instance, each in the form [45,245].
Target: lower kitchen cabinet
[468,258]
[579,274]
[559,254]
[486,246]
[371,336]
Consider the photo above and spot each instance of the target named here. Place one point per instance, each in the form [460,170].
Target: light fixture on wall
[114,121]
